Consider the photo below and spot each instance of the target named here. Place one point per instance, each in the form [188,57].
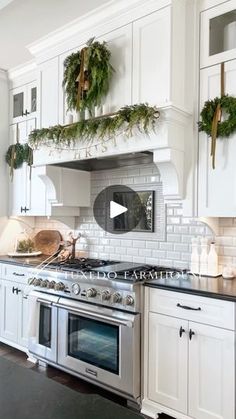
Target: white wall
[9,231]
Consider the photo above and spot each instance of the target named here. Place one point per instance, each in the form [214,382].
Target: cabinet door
[217,188]
[151,58]
[9,311]
[211,373]
[168,360]
[49,72]
[17,104]
[36,193]
[23,318]
[30,126]
[32,99]
[218,43]
[18,191]
[119,43]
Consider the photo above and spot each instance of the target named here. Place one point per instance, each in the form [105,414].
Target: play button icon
[118,209]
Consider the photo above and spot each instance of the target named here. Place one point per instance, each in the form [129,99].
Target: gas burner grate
[81,264]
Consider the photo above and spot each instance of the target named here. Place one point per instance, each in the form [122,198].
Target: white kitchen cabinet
[24,102]
[188,374]
[21,130]
[168,361]
[19,186]
[27,195]
[14,309]
[9,311]
[119,43]
[216,43]
[159,56]
[23,319]
[151,58]
[211,372]
[217,187]
[14,313]
[49,89]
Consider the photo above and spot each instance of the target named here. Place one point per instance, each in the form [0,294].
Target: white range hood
[166,144]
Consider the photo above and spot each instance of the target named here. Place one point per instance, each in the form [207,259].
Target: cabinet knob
[181,331]
[25,113]
[24,209]
[191,334]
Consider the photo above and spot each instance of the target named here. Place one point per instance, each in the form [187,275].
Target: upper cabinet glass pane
[222,33]
[33,99]
[18,104]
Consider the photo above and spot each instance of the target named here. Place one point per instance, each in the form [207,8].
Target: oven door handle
[114,320]
[46,302]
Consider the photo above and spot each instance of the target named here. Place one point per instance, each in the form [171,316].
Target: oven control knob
[44,283]
[59,286]
[37,282]
[51,284]
[106,295]
[91,292]
[129,300]
[31,281]
[117,298]
[76,289]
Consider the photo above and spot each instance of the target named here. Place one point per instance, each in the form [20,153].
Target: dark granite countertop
[25,394]
[220,288]
[30,261]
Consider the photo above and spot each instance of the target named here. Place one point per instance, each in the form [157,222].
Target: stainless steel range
[86,319]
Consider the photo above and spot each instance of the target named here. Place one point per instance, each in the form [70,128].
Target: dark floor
[62,377]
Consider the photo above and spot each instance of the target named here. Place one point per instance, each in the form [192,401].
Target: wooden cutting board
[48,241]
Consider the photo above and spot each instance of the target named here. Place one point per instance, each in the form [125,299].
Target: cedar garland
[142,117]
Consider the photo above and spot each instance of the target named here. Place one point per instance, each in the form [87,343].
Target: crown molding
[113,10]
[21,70]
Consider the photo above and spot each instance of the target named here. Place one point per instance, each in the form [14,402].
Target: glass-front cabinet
[218,34]
[23,102]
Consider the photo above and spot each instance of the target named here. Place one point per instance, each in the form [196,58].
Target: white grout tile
[175,251]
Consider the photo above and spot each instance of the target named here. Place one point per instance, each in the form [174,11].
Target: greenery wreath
[17,154]
[211,120]
[87,75]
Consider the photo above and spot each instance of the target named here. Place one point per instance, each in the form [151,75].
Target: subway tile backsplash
[170,245]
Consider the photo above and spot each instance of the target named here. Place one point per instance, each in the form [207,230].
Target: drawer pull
[191,334]
[188,307]
[181,331]
[17,274]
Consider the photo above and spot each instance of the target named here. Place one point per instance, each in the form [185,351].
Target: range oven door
[43,326]
[100,344]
